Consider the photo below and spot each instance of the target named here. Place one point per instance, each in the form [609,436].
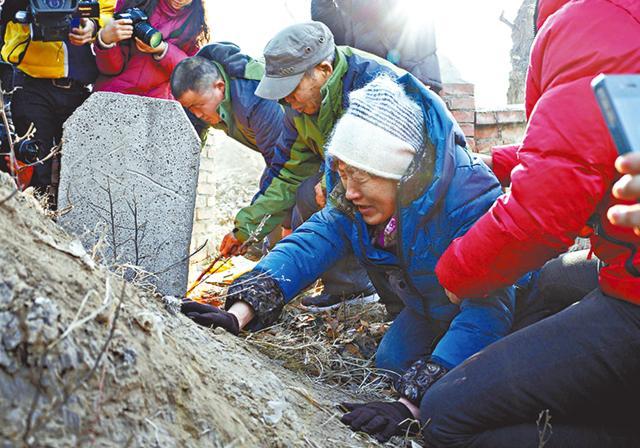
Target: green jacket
[352,70]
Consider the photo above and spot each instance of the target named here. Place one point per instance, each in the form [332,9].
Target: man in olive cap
[314,77]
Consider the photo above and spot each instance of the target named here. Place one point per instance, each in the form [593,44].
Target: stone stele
[129,172]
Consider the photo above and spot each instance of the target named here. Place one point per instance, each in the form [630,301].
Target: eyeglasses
[352,174]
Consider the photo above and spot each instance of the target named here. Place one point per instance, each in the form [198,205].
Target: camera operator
[137,51]
[54,78]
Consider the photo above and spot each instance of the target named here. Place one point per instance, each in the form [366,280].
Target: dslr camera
[27,150]
[53,19]
[142,29]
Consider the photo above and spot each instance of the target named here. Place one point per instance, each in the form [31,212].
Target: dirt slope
[88,361]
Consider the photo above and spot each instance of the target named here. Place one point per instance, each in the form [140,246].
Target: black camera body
[142,29]
[53,19]
[26,151]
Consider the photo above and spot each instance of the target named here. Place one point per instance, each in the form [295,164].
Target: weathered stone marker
[129,173]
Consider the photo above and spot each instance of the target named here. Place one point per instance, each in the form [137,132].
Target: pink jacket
[124,69]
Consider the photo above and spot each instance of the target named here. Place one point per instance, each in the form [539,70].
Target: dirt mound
[86,359]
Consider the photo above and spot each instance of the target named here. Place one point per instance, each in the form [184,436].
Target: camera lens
[27,151]
[148,34]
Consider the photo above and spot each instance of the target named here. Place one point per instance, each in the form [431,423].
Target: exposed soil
[86,359]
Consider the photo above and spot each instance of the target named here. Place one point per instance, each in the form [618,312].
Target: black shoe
[326,302]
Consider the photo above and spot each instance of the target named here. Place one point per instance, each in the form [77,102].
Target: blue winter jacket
[352,69]
[438,200]
[253,121]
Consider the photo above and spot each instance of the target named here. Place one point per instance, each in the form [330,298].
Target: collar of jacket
[331,91]
[224,109]
[428,177]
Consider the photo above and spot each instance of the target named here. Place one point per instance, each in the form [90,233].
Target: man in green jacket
[314,77]
[218,87]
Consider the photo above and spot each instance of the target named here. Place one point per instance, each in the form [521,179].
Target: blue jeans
[580,367]
[347,276]
[410,337]
[559,283]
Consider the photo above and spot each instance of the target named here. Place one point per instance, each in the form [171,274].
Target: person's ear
[325,68]
[219,85]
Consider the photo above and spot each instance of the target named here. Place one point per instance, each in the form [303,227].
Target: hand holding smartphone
[619,100]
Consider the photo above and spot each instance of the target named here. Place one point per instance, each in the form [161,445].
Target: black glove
[210,316]
[260,292]
[378,418]
[421,376]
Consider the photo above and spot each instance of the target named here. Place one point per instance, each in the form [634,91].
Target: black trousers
[40,102]
[579,368]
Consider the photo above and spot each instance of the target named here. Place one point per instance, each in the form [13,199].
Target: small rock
[129,356]
[151,323]
[7,362]
[172,304]
[11,335]
[41,320]
[274,413]
[6,294]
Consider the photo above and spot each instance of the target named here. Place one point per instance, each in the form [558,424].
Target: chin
[372,220]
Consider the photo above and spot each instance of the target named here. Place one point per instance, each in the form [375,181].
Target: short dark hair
[196,74]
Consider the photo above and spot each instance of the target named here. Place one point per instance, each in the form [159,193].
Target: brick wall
[460,99]
[499,127]
[483,128]
[203,218]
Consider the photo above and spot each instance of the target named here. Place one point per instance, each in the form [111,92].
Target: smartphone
[619,100]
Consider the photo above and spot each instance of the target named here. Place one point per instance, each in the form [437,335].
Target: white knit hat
[380,131]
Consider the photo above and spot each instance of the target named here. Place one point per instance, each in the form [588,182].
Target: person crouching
[406,189]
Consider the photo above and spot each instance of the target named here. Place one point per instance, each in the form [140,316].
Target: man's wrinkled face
[307,97]
[204,105]
[373,196]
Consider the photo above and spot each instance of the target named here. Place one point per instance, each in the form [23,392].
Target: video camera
[53,19]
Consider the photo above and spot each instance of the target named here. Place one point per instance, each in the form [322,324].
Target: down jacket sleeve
[300,259]
[504,159]
[289,168]
[566,161]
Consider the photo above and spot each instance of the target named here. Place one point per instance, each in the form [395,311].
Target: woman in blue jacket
[407,190]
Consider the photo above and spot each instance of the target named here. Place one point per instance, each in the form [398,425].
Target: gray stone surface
[129,173]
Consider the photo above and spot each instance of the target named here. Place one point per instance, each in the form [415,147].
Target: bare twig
[506,21]
[205,274]
[544,428]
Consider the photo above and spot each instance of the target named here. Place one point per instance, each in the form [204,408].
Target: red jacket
[124,69]
[562,173]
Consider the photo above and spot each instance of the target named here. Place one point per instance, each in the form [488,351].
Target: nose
[351,193]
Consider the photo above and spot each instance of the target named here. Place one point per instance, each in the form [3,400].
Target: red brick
[484,145]
[484,117]
[467,129]
[464,116]
[461,103]
[459,89]
[487,131]
[513,133]
[511,116]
